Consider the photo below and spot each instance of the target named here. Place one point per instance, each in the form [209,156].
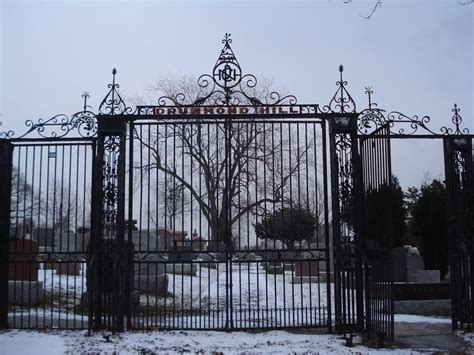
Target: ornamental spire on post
[342,101]
[456,120]
[113,103]
[85,95]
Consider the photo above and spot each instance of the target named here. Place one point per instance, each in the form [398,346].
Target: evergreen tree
[428,223]
[290,224]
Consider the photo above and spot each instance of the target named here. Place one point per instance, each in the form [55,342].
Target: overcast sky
[417,55]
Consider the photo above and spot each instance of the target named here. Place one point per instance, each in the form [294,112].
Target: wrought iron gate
[207,199]
[376,233]
[48,230]
[460,203]
[227,208]
[212,212]
[346,203]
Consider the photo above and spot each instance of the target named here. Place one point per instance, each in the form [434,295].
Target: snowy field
[20,342]
[259,299]
[192,301]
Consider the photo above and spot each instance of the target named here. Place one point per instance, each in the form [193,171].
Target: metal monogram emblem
[227,72]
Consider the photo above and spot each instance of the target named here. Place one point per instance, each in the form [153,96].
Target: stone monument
[149,267]
[306,270]
[23,285]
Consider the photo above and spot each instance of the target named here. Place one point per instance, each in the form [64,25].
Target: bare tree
[61,205]
[236,170]
[176,201]
[25,202]
[378,4]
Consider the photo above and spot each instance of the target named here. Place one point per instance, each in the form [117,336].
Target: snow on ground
[31,342]
[176,342]
[414,318]
[206,342]
[201,298]
[251,286]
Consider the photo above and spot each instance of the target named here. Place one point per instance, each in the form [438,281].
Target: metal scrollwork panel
[343,146]
[83,122]
[372,118]
[227,86]
[342,101]
[110,185]
[456,120]
[113,104]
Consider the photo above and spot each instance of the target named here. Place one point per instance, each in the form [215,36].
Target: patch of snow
[18,342]
[410,318]
[175,342]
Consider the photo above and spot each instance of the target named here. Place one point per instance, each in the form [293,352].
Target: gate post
[345,186]
[460,213]
[109,254]
[5,200]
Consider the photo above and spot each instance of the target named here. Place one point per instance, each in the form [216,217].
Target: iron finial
[342,101]
[227,38]
[369,92]
[457,121]
[113,104]
[85,95]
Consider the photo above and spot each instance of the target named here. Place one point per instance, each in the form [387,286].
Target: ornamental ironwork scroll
[342,101]
[83,122]
[113,104]
[372,118]
[227,86]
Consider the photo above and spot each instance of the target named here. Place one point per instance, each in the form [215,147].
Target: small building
[198,243]
[171,238]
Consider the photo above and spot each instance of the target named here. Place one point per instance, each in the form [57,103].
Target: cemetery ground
[414,334]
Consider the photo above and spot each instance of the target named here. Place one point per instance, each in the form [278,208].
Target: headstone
[198,242]
[82,241]
[274,267]
[399,264]
[65,241]
[405,263]
[23,285]
[251,256]
[181,268]
[68,268]
[421,291]
[425,276]
[149,267]
[169,238]
[204,257]
[49,265]
[289,266]
[306,270]
[25,293]
[23,260]
[44,236]
[181,253]
[109,275]
[414,263]
[422,298]
[206,260]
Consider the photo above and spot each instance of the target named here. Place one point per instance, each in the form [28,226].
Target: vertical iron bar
[6,166]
